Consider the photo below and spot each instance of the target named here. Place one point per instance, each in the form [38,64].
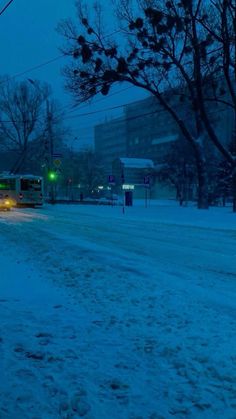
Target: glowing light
[127,187]
[52,176]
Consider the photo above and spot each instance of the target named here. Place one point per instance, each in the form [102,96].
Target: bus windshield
[31,184]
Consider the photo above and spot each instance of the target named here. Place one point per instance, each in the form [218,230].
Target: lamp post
[71,180]
[52,177]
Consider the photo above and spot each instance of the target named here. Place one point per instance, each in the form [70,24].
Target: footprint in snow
[36,356]
[44,338]
[76,406]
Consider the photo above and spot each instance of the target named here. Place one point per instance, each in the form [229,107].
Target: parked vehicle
[113,200]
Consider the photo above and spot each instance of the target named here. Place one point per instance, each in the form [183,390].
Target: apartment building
[110,141]
[147,131]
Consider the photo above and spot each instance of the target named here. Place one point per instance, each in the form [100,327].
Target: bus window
[24,184]
[8,184]
[31,185]
[36,185]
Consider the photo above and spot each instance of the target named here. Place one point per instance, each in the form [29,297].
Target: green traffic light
[52,176]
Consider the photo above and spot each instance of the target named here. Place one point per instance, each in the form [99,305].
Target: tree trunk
[203,201]
[234,188]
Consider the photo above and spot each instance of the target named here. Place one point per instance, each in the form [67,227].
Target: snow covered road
[106,314]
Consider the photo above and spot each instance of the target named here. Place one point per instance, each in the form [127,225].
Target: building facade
[147,131]
[110,142]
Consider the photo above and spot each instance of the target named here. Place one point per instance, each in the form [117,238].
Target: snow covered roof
[137,163]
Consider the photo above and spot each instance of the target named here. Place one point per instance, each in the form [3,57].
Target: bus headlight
[9,203]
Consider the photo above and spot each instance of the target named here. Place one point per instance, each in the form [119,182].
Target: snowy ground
[123,316]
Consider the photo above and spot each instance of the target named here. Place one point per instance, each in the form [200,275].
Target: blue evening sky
[28,38]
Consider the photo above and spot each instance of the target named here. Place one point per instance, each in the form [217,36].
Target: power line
[74,116]
[96,101]
[43,63]
[78,115]
[95,112]
[115,107]
[32,69]
[5,7]
[160,111]
[142,115]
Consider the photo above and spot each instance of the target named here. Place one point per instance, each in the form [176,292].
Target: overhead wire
[160,111]
[142,115]
[32,69]
[86,105]
[75,107]
[36,67]
[5,7]
[29,70]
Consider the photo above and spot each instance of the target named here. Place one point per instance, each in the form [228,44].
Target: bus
[23,190]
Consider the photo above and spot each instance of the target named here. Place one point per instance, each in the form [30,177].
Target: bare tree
[171,51]
[89,171]
[51,138]
[21,107]
[179,170]
[221,27]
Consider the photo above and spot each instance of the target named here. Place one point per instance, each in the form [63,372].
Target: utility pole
[51,151]
[233,152]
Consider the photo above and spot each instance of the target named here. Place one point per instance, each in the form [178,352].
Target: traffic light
[52,175]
